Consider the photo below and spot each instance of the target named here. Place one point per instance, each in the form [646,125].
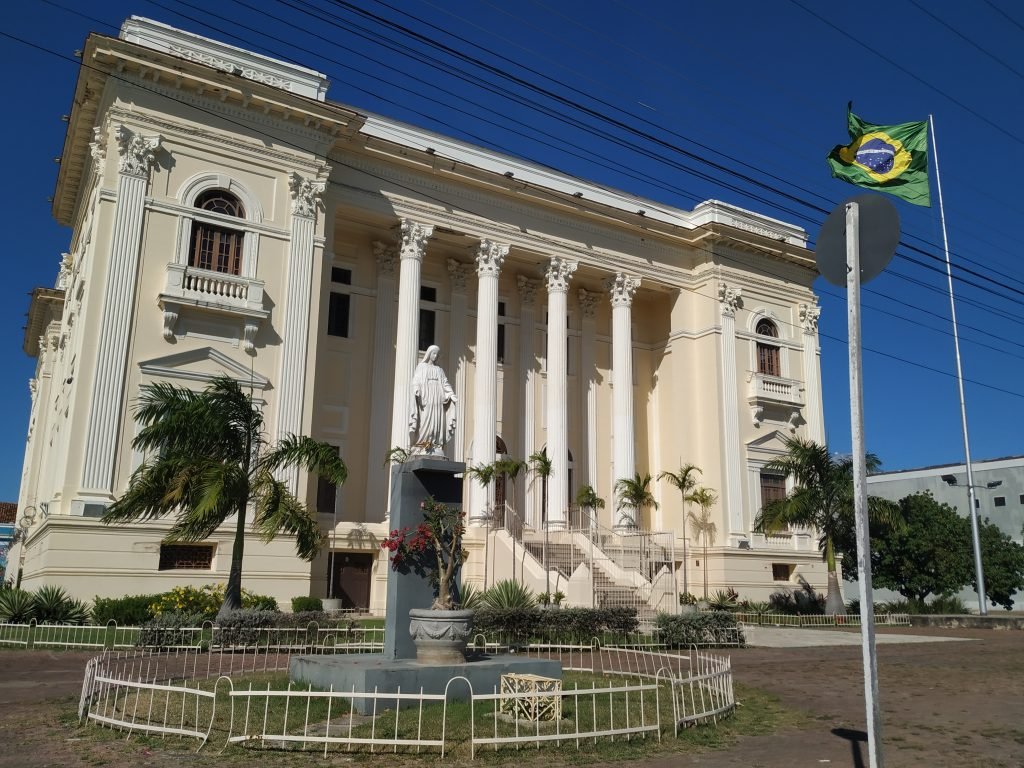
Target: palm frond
[278,511]
[312,455]
[482,473]
[685,480]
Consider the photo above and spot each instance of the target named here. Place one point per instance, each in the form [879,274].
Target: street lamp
[979,573]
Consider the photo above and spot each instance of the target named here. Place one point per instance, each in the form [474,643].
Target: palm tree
[685,480]
[509,469]
[705,498]
[211,460]
[482,473]
[541,466]
[587,498]
[822,498]
[634,493]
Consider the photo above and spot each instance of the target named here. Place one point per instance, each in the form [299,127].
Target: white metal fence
[193,694]
[820,620]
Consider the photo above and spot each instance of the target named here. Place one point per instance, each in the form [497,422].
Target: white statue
[432,423]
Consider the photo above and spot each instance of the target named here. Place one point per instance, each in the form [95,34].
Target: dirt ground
[944,704]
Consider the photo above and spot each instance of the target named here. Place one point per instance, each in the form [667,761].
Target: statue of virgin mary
[432,423]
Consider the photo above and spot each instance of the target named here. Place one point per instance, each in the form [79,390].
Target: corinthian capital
[622,288]
[809,314]
[559,273]
[730,298]
[386,256]
[459,273]
[138,152]
[588,302]
[489,257]
[305,195]
[527,290]
[414,238]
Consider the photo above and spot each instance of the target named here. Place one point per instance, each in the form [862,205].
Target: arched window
[214,247]
[768,354]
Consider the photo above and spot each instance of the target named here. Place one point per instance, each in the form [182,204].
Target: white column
[528,366]
[459,275]
[295,327]
[731,299]
[414,245]
[815,419]
[621,289]
[558,275]
[588,379]
[489,258]
[380,407]
[137,156]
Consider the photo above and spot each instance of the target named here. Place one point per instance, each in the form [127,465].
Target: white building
[226,217]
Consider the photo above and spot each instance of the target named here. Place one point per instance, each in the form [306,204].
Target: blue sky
[759,88]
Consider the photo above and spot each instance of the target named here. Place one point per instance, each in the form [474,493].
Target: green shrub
[947,604]
[302,604]
[805,601]
[724,600]
[470,597]
[570,625]
[510,595]
[167,629]
[621,621]
[515,625]
[686,598]
[707,628]
[16,606]
[127,611]
[206,600]
[243,627]
[52,605]
[254,602]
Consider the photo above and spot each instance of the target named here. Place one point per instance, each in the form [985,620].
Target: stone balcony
[203,290]
[783,397]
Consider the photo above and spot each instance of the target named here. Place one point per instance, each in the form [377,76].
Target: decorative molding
[559,273]
[230,66]
[731,299]
[138,152]
[622,289]
[588,302]
[489,258]
[414,238]
[180,366]
[249,337]
[306,195]
[67,266]
[458,273]
[98,151]
[528,288]
[386,256]
[809,314]
[170,320]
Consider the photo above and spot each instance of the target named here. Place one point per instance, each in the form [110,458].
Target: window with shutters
[215,247]
[768,356]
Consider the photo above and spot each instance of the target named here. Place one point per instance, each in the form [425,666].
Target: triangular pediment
[204,365]
[770,442]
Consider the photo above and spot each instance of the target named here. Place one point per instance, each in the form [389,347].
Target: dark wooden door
[352,578]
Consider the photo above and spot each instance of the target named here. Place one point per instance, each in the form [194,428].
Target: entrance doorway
[351,582]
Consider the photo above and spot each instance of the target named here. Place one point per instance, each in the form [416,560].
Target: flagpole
[971,499]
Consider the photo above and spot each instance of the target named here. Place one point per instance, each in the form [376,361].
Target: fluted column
[731,299]
[809,314]
[414,245]
[528,366]
[295,328]
[459,275]
[588,378]
[383,355]
[558,275]
[489,258]
[621,290]
[137,157]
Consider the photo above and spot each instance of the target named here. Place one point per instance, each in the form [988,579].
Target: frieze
[230,66]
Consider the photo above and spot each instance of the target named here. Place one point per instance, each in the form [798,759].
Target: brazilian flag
[889,158]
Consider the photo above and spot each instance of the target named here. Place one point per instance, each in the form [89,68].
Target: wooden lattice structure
[531,697]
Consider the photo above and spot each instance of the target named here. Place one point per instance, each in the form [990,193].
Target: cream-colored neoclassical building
[226,218]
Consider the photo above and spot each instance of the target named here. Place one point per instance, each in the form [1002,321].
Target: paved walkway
[805,637]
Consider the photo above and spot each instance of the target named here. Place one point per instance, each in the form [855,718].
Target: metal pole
[972,501]
[860,496]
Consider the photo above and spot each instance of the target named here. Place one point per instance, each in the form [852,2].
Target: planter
[332,604]
[440,636]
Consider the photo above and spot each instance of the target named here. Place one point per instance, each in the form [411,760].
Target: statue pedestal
[411,483]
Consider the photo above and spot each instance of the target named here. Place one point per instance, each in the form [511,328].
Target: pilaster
[291,398]
[588,379]
[809,314]
[730,300]
[528,366]
[386,257]
[459,274]
[137,157]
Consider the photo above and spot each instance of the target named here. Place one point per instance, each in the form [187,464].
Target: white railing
[819,620]
[775,389]
[148,691]
[195,285]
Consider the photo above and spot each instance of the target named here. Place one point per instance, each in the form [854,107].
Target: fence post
[30,641]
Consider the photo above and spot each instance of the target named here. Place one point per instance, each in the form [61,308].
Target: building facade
[227,219]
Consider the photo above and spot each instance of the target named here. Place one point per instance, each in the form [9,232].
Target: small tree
[705,499]
[634,493]
[211,460]
[685,480]
[587,498]
[541,466]
[510,469]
